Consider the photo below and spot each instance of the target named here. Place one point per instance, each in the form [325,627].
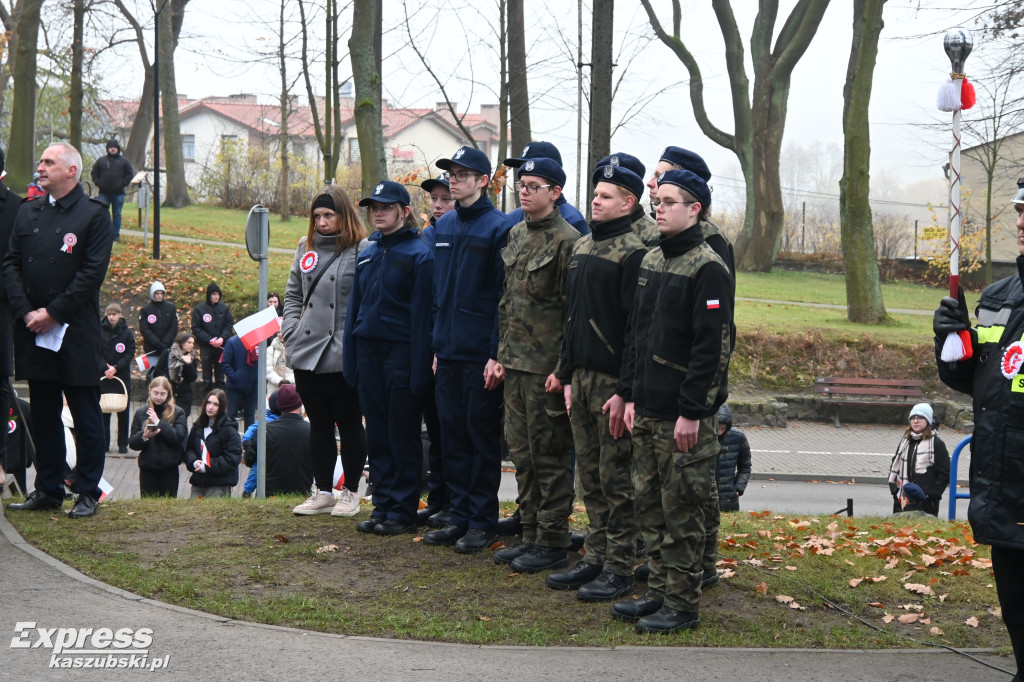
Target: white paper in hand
[52,339]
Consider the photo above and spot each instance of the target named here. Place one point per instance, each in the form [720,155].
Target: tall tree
[518,92]
[176,194]
[286,112]
[328,130]
[600,139]
[758,122]
[75,107]
[364,47]
[21,154]
[863,290]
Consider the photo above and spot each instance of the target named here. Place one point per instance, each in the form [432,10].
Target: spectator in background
[211,325]
[178,364]
[249,444]
[9,205]
[111,174]
[274,301]
[921,458]
[240,366]
[158,321]
[118,353]
[289,467]
[278,371]
[35,190]
[213,450]
[733,462]
[158,433]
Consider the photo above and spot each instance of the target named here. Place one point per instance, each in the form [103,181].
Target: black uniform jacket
[57,259]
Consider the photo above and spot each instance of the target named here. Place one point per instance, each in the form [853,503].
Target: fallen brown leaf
[888,618]
[935,632]
[783,598]
[762,588]
[909,618]
[855,581]
[918,588]
[972,621]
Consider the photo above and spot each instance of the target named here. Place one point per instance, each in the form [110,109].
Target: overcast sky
[911,65]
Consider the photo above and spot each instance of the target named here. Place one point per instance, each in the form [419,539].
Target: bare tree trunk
[21,154]
[142,127]
[758,122]
[284,200]
[176,195]
[75,106]
[863,291]
[503,105]
[366,59]
[600,84]
[9,28]
[518,92]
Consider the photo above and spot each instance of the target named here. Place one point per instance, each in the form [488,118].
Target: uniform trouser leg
[393,442]
[438,495]
[1007,565]
[122,429]
[671,488]
[712,520]
[470,442]
[210,358]
[48,433]
[330,402]
[603,475]
[539,441]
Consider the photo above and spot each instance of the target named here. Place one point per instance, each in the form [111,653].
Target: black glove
[952,315]
[894,489]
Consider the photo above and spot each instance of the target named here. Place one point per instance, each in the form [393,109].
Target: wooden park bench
[839,391]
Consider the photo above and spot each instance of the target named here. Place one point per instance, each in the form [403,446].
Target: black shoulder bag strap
[326,267]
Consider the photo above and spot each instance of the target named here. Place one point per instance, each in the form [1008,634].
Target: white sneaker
[348,504]
[318,503]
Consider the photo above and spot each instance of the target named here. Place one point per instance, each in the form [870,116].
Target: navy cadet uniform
[679,361]
[57,259]
[436,512]
[468,276]
[601,287]
[994,376]
[387,358]
[546,150]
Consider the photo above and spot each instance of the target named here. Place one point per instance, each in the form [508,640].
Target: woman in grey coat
[315,305]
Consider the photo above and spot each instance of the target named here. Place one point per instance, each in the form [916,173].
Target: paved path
[40,592]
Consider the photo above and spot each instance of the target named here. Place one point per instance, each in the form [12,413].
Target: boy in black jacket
[118,352]
[212,325]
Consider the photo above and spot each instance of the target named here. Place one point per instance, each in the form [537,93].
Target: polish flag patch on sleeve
[713,304]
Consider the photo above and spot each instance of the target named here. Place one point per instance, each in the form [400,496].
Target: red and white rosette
[70,240]
[119,348]
[207,318]
[11,426]
[308,261]
[1013,358]
[151,319]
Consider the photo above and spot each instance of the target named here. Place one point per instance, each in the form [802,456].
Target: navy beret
[913,491]
[467,157]
[535,150]
[628,160]
[386,192]
[691,182]
[687,160]
[621,176]
[543,168]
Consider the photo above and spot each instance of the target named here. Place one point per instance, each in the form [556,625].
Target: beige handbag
[114,402]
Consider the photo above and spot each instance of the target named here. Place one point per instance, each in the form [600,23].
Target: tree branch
[810,12]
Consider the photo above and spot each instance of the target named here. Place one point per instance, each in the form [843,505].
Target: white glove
[199,466]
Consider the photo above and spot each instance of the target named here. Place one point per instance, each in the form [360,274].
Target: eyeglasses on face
[460,176]
[530,189]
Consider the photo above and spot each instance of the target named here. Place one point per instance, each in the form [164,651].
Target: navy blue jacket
[469,278]
[241,376]
[569,212]
[392,300]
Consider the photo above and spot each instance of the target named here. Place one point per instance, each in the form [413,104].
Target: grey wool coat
[314,338]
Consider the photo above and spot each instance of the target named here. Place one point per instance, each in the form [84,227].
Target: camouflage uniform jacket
[646,227]
[531,315]
[602,283]
[717,240]
[679,356]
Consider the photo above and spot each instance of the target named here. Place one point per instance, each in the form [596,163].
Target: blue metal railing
[953,494]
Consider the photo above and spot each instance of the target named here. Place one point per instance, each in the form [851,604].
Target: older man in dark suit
[57,259]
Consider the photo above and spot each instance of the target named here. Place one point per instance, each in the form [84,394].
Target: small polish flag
[105,489]
[143,362]
[339,475]
[257,328]
[713,304]
[207,460]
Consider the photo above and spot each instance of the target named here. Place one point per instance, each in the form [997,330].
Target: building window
[353,150]
[188,147]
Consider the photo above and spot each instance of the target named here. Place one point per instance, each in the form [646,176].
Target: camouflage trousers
[712,519]
[603,475]
[671,490]
[539,444]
